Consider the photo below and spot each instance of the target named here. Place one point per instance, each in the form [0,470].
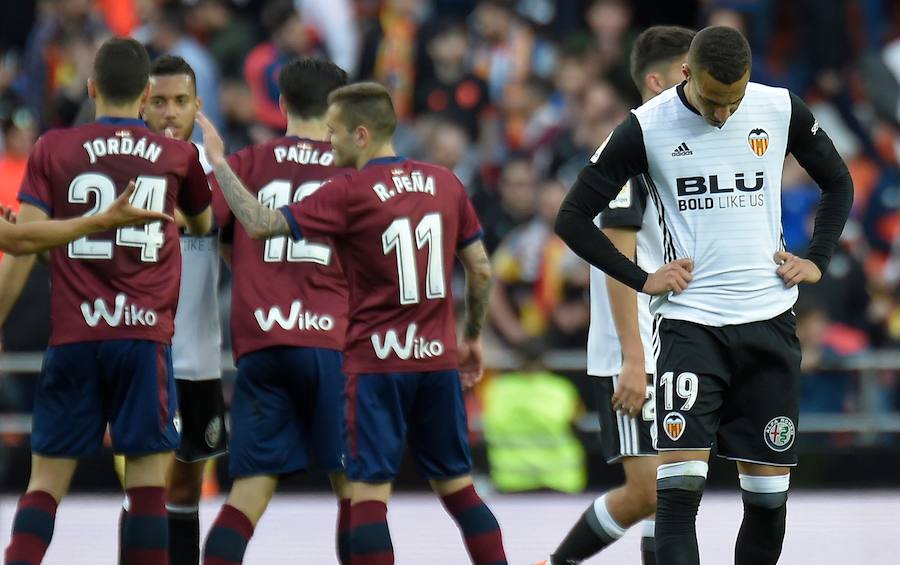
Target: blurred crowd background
[514,96]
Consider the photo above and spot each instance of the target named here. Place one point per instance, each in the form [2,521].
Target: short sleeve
[35,188]
[322,213]
[627,209]
[194,196]
[469,226]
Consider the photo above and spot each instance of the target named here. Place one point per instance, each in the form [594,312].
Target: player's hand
[122,213]
[671,277]
[631,392]
[471,362]
[212,141]
[794,270]
[7,214]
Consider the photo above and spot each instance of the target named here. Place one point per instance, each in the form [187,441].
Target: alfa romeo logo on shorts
[780,433]
[674,424]
[213,432]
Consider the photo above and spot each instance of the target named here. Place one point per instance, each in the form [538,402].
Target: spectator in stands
[168,36]
[533,270]
[512,203]
[331,19]
[506,47]
[19,133]
[227,37]
[449,87]
[612,38]
[390,51]
[42,56]
[448,145]
[289,37]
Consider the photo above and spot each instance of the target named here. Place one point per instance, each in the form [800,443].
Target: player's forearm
[14,273]
[478,291]
[831,216]
[623,299]
[35,237]
[575,225]
[260,221]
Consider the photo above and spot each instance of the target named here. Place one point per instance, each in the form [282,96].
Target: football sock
[478,525]
[343,531]
[370,539]
[679,487]
[648,543]
[593,531]
[146,536]
[227,540]
[762,530]
[32,529]
[123,519]
[184,534]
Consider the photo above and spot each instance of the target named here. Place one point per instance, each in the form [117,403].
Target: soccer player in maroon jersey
[288,321]
[113,301]
[396,225]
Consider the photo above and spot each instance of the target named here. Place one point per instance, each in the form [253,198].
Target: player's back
[284,292]
[401,225]
[120,284]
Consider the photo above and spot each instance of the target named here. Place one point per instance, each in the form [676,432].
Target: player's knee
[642,496]
[684,475]
[769,492]
[184,492]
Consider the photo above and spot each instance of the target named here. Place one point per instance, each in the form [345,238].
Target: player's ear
[362,136]
[92,88]
[686,71]
[652,83]
[198,103]
[282,105]
[146,94]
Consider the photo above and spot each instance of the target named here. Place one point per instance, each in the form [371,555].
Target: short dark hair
[657,45]
[368,104]
[170,65]
[121,70]
[276,13]
[305,84]
[721,51]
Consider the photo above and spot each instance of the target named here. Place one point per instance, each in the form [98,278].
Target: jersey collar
[113,121]
[385,160]
[683,97]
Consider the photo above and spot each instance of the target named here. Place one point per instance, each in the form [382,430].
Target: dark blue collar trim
[111,121]
[385,160]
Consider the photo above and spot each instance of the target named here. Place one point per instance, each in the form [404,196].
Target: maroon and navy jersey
[284,292]
[396,225]
[120,284]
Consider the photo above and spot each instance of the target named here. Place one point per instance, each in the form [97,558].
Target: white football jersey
[632,209]
[197,343]
[718,194]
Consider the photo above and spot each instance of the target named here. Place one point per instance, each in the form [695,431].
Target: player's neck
[313,129]
[385,150]
[110,111]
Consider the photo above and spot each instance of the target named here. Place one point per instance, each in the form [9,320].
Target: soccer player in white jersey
[171,109]
[728,359]
[619,341]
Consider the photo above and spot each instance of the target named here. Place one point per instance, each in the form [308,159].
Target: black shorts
[620,434]
[736,386]
[202,409]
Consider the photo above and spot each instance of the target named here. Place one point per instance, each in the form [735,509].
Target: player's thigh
[438,429]
[622,435]
[377,405]
[141,400]
[266,438]
[764,403]
[201,408]
[69,418]
[323,418]
[690,384]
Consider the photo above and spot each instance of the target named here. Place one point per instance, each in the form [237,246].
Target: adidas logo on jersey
[682,150]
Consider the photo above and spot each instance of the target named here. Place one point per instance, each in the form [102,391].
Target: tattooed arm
[260,221]
[478,287]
